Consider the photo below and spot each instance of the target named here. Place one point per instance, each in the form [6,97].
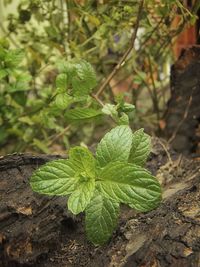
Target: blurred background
[37,37]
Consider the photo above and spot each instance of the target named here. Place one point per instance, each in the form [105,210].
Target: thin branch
[155,96]
[59,135]
[166,151]
[97,99]
[123,59]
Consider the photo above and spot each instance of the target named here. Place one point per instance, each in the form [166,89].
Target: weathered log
[38,230]
[30,224]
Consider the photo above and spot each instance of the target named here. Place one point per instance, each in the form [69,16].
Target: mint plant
[98,184]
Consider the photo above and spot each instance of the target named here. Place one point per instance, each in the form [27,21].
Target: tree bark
[37,230]
[182,118]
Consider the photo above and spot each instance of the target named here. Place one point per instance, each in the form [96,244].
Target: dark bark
[30,224]
[183,112]
[38,230]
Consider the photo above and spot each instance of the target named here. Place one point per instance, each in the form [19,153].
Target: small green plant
[99,184]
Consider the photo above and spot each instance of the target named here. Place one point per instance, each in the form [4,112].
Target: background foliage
[42,47]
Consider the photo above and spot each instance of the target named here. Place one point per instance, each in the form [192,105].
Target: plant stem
[97,99]
[124,57]
[59,135]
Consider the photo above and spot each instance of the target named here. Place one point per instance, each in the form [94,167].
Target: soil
[38,231]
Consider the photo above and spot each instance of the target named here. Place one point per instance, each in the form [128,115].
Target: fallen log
[37,230]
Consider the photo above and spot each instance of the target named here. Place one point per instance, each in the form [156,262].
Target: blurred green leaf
[82,113]
[63,100]
[61,81]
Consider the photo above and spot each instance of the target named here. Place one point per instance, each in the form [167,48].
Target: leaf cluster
[99,184]
[50,34]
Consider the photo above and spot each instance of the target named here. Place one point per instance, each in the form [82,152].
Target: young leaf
[55,178]
[124,119]
[81,197]
[130,184]
[101,218]
[111,110]
[61,81]
[82,160]
[84,80]
[141,148]
[115,146]
[63,100]
[128,107]
[81,114]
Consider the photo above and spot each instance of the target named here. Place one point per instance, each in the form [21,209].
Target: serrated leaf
[83,160]
[55,178]
[61,81]
[141,147]
[101,218]
[63,100]
[84,80]
[115,146]
[81,197]
[67,67]
[130,184]
[82,113]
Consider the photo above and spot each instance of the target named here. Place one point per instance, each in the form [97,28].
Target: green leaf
[55,178]
[81,197]
[63,100]
[22,83]
[124,119]
[14,58]
[42,146]
[130,184]
[26,119]
[141,147]
[110,110]
[115,146]
[61,81]
[83,160]
[3,74]
[67,67]
[82,113]
[101,218]
[84,80]
[128,107]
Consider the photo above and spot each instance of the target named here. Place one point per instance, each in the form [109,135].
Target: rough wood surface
[182,118]
[38,231]
[30,224]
